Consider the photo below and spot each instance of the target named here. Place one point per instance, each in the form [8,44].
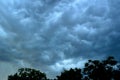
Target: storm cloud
[50,34]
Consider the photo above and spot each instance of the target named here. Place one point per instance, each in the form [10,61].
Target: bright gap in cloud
[3,34]
[67,64]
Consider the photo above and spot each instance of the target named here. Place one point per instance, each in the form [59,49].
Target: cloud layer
[58,33]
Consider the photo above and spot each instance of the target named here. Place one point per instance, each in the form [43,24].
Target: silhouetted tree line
[108,69]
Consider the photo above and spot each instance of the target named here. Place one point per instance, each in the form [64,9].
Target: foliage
[108,69]
[102,70]
[72,74]
[27,74]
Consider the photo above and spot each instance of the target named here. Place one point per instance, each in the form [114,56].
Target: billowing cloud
[46,34]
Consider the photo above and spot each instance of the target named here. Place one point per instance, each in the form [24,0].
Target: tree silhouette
[27,74]
[72,74]
[108,69]
[102,70]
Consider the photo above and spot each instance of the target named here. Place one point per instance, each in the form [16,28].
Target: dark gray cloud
[58,33]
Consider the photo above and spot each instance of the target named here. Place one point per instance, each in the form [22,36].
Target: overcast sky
[51,35]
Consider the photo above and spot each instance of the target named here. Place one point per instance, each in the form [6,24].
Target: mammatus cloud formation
[50,34]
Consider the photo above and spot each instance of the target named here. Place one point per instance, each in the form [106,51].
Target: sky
[52,35]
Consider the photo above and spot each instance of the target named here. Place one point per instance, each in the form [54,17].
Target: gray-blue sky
[50,34]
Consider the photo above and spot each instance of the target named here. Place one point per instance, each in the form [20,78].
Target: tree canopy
[108,69]
[102,70]
[72,74]
[27,74]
